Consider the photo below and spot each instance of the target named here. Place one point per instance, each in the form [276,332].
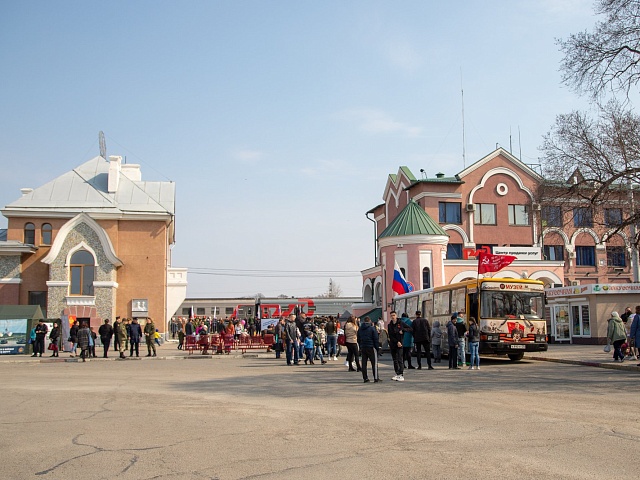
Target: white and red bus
[509,312]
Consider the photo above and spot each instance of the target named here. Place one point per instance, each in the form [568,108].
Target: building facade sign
[521,253]
[598,289]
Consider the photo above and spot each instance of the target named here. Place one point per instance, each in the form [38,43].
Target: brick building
[92,244]
[428,226]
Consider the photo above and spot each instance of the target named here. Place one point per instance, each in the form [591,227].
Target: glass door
[580,320]
[561,318]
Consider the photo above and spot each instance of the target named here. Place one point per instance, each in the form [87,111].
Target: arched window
[368,293]
[46,234]
[30,233]
[426,277]
[82,273]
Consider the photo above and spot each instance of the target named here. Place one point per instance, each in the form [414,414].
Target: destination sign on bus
[516,287]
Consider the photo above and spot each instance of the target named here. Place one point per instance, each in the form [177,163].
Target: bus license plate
[520,347]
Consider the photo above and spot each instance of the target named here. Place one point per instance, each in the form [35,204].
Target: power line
[275,274]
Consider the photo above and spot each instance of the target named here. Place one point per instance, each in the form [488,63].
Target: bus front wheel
[516,357]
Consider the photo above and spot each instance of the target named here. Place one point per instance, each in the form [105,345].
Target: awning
[374,315]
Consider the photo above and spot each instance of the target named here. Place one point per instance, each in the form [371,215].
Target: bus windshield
[511,305]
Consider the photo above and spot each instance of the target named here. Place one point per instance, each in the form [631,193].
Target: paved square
[232,418]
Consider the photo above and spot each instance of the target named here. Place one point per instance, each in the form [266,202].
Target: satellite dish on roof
[103,145]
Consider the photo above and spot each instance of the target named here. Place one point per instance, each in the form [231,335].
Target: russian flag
[400,285]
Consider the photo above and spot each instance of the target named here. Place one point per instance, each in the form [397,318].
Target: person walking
[180,335]
[41,331]
[331,330]
[84,334]
[369,343]
[473,335]
[121,335]
[149,335]
[291,335]
[396,334]
[436,341]
[54,338]
[422,338]
[106,332]
[616,334]
[351,342]
[452,340]
[135,334]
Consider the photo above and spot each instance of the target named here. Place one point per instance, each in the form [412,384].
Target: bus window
[511,305]
[441,303]
[412,306]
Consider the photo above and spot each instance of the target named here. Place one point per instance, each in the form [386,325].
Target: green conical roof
[412,220]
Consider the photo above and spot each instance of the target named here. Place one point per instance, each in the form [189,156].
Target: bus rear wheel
[516,357]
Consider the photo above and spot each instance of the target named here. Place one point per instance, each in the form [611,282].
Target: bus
[509,312]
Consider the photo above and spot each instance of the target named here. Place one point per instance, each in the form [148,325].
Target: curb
[584,363]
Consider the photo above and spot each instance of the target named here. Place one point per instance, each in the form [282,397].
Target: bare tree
[333,291]
[594,163]
[608,58]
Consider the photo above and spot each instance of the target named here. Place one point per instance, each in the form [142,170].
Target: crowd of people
[125,333]
[321,338]
[318,339]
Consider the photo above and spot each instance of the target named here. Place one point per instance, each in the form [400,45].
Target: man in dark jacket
[188,328]
[291,335]
[422,338]
[116,335]
[106,332]
[135,334]
[41,332]
[396,333]
[369,345]
[452,339]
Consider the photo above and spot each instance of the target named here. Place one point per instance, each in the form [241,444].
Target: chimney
[115,163]
[26,191]
[439,175]
[132,172]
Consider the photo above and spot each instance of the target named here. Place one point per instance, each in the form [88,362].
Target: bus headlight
[493,337]
[541,338]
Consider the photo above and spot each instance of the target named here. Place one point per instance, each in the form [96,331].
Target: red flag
[488,262]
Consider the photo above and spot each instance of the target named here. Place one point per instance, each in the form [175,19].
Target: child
[156,337]
[319,338]
[308,348]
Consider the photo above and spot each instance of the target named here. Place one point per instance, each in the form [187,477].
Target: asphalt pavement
[180,416]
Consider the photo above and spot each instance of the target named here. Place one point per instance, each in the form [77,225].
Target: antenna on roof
[103,145]
[464,157]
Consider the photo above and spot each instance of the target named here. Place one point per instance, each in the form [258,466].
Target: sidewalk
[587,355]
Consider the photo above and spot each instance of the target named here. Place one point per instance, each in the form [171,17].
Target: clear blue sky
[279,121]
